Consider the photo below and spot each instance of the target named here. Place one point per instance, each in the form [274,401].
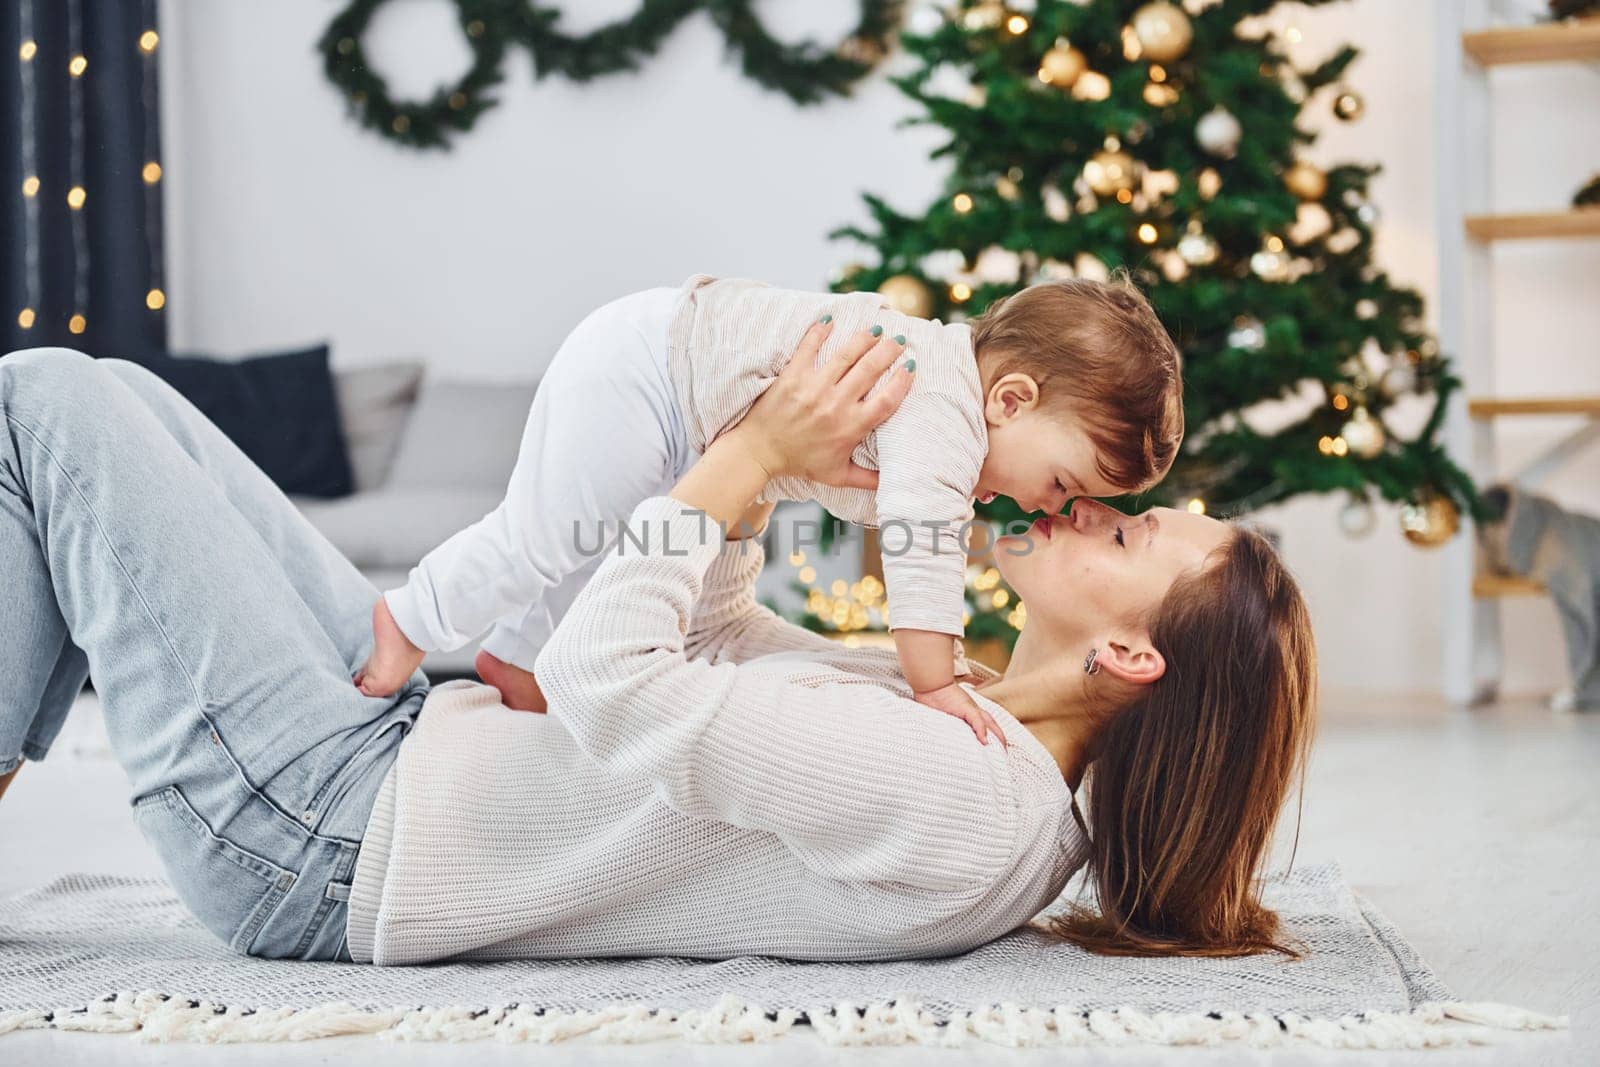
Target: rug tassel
[161,1018]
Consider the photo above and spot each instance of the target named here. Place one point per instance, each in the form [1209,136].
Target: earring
[1089,665]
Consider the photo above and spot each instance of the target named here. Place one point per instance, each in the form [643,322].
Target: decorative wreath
[804,72]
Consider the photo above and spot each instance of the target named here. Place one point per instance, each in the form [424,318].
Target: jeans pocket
[231,891]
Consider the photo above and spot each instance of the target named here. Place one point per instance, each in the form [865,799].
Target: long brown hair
[1099,354]
[1185,785]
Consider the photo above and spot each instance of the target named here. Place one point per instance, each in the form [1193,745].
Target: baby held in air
[1063,389]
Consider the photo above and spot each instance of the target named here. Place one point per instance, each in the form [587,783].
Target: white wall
[288,223]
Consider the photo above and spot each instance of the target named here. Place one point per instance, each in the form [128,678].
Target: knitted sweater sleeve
[929,457]
[729,624]
[859,783]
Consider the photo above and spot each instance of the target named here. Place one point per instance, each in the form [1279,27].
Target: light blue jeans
[139,547]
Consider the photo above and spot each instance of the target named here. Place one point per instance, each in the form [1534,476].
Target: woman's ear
[1009,396]
[1132,659]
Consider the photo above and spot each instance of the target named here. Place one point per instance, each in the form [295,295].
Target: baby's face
[1041,460]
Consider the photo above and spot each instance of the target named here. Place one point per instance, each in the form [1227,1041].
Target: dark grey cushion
[279,409]
[374,405]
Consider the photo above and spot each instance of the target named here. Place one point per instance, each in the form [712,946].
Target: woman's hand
[810,420]
[806,424]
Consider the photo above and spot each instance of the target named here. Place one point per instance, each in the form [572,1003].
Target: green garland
[805,72]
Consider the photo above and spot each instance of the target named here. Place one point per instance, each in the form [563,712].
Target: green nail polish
[825,319]
[911,365]
[877,331]
[899,338]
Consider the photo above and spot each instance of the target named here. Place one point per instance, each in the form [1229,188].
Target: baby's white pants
[605,432]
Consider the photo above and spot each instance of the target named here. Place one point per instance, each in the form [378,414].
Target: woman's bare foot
[519,690]
[394,658]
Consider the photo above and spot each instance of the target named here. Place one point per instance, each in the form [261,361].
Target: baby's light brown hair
[1098,350]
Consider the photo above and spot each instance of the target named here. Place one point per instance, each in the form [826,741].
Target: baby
[1063,389]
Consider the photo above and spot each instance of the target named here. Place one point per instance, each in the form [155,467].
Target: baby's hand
[953,700]
[394,658]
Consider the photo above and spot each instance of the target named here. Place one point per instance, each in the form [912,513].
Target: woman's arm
[859,783]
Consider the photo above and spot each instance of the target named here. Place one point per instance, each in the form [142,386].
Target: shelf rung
[1577,222]
[1485,407]
[1496,585]
[1551,42]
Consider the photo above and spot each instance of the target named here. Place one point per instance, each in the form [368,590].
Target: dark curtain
[87,277]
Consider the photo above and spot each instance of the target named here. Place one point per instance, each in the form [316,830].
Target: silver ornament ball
[1218,132]
[1358,518]
[1249,333]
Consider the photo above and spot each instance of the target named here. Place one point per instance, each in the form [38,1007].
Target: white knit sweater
[728,339]
[711,781]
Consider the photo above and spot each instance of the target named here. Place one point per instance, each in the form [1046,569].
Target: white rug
[116,954]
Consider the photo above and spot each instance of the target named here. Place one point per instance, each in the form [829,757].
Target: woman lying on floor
[709,780]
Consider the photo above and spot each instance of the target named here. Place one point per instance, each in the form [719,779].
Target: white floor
[1478,833]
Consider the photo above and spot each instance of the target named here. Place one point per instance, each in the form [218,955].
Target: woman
[709,780]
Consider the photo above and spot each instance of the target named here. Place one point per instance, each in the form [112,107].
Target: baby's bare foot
[394,658]
[519,690]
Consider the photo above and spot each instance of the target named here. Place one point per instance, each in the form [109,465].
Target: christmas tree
[1168,139]
[1088,136]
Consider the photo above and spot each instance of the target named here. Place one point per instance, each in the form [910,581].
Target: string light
[1197,506]
[960,291]
[1017,24]
[1147,233]
[962,203]
[31,285]
[77,169]
[156,296]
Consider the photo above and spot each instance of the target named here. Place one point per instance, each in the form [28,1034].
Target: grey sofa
[429,457]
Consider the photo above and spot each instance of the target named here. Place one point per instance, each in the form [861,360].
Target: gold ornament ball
[1110,171]
[1364,434]
[985,15]
[908,295]
[1349,106]
[1310,222]
[1163,30]
[1430,520]
[1159,94]
[1306,181]
[1062,66]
